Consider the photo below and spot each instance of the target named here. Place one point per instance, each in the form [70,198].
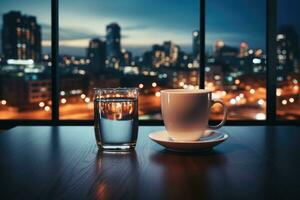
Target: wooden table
[256,162]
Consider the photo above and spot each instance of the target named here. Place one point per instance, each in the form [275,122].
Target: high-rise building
[96,54]
[219,44]
[147,59]
[244,47]
[287,52]
[126,58]
[21,37]
[171,51]
[196,44]
[158,56]
[113,45]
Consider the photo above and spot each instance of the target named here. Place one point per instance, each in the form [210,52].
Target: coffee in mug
[186,113]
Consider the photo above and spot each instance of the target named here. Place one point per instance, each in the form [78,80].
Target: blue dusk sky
[147,22]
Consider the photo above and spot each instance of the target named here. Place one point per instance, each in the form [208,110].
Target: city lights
[157,94]
[291,100]
[78,91]
[278,92]
[229,78]
[47,108]
[260,116]
[233,101]
[20,62]
[284,102]
[237,81]
[279,37]
[256,61]
[141,85]
[295,81]
[215,95]
[82,96]
[195,33]
[46,57]
[252,91]
[235,73]
[261,102]
[3,102]
[87,100]
[217,77]
[63,100]
[82,72]
[62,93]
[41,104]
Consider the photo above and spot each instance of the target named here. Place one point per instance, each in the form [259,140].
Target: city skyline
[144,25]
[235,70]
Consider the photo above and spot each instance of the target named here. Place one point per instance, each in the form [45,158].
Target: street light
[284,102]
[87,100]
[47,108]
[63,100]
[3,102]
[41,104]
[291,100]
[82,96]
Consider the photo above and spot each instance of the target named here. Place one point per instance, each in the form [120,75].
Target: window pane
[25,64]
[288,66]
[147,44]
[236,60]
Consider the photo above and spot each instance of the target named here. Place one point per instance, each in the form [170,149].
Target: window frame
[271,29]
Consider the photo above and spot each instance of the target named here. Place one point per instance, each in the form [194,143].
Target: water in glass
[116,122]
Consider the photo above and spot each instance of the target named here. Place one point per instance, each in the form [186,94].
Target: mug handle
[214,101]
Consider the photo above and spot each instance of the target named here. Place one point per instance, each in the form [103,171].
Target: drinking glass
[116,118]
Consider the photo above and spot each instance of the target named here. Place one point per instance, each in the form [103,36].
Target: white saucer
[212,139]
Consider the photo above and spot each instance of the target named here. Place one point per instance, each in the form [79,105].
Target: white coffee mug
[186,113]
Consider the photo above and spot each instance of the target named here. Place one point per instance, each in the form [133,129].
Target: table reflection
[117,176]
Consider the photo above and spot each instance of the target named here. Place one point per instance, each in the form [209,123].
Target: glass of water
[116,118]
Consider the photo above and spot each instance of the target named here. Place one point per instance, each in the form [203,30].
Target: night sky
[144,22]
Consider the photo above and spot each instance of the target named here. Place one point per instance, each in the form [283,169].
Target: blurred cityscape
[236,74]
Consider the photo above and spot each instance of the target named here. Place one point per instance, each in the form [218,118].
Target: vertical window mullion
[271,60]
[202,44]
[54,51]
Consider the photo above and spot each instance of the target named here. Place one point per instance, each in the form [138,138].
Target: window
[145,44]
[236,57]
[152,45]
[25,60]
[287,61]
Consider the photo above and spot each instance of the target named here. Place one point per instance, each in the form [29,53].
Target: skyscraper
[219,44]
[21,37]
[196,44]
[113,45]
[96,53]
[244,47]
[171,51]
[287,52]
[158,56]
[126,58]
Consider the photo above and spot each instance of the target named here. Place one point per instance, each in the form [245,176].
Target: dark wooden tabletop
[256,162]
